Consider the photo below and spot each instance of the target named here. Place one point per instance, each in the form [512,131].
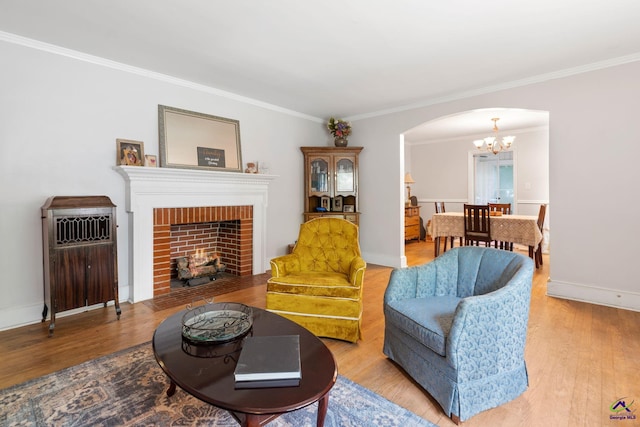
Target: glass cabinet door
[319,170]
[345,176]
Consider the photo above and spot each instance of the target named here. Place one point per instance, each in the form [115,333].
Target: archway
[439,156]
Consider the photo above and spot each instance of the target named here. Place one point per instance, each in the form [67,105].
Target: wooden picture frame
[129,152]
[349,208]
[325,202]
[191,140]
[336,204]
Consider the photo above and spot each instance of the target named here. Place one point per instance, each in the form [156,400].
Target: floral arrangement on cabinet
[339,128]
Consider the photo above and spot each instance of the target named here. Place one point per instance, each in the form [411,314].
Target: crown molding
[503,86]
[96,60]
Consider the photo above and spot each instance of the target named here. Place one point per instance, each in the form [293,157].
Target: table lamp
[408,180]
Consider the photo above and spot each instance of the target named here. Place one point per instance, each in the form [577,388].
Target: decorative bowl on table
[216,323]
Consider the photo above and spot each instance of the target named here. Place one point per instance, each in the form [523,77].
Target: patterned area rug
[128,388]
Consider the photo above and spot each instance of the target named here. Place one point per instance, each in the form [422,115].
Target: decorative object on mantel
[130,153]
[264,167]
[252,167]
[491,143]
[340,130]
[150,160]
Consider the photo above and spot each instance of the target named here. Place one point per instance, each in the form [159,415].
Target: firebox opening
[204,252]
[232,237]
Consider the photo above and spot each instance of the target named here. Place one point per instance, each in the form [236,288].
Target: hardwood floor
[580,357]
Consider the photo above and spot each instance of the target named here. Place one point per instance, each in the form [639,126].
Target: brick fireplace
[180,231]
[157,196]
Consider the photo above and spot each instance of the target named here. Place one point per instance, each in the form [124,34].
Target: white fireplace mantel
[148,188]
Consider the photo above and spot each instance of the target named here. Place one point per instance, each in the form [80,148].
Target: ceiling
[343,58]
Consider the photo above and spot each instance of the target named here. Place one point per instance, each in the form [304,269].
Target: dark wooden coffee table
[210,378]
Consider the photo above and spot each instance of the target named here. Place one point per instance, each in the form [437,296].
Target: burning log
[199,265]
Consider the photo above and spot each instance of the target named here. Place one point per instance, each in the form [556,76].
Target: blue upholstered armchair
[458,326]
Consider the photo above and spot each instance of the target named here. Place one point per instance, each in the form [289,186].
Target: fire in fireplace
[200,267]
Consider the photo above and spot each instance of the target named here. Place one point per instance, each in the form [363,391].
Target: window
[493,178]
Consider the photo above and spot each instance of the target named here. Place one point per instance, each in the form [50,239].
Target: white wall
[593,155]
[59,120]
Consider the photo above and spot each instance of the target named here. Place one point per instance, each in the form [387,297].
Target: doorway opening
[493,178]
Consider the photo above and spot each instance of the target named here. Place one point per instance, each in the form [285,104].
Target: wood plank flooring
[580,357]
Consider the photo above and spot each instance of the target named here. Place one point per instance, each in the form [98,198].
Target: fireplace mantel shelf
[137,173]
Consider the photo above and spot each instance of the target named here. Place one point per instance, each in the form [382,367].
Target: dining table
[520,229]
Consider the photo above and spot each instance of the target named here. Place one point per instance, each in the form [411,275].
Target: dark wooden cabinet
[80,254]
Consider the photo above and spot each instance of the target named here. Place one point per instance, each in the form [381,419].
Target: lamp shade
[408,179]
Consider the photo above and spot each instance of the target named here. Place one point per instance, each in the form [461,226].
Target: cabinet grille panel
[74,230]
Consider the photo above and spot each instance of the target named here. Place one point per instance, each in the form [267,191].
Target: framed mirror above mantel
[191,140]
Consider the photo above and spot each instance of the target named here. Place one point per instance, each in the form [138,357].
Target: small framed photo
[336,204]
[325,201]
[129,153]
[349,208]
[150,160]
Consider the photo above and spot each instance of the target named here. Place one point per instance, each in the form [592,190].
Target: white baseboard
[601,296]
[15,317]
[387,261]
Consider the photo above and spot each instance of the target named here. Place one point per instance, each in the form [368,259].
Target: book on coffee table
[269,361]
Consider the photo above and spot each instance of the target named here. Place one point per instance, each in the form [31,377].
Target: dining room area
[480,177]
[491,225]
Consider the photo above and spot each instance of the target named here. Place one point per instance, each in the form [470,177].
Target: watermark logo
[622,409]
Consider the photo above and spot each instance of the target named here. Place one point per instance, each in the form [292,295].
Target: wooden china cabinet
[331,182]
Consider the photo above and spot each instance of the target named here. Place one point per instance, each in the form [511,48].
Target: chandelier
[491,143]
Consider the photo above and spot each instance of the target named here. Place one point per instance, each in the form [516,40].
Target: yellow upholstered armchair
[319,285]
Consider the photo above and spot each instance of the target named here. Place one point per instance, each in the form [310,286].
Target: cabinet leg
[52,323]
[45,311]
[118,311]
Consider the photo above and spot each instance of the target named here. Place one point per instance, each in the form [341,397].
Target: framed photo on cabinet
[337,204]
[325,203]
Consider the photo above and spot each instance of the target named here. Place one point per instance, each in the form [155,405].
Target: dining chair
[504,209]
[440,209]
[538,253]
[477,227]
